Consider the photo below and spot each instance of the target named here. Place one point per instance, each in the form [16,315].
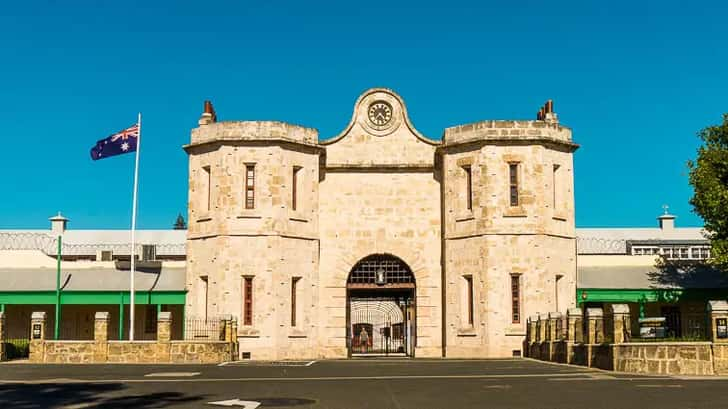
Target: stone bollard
[101,337]
[574,330]
[164,326]
[621,324]
[541,326]
[553,334]
[37,336]
[2,337]
[533,338]
[595,331]
[718,311]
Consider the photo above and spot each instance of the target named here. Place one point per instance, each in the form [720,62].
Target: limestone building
[380,240]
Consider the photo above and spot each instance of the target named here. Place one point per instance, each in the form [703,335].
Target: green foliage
[709,178]
[17,348]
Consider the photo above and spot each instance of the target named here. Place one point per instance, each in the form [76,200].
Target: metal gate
[381,325]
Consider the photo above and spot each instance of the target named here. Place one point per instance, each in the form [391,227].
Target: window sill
[249,215]
[515,331]
[248,332]
[297,217]
[559,217]
[297,333]
[204,218]
[467,332]
[515,212]
[463,217]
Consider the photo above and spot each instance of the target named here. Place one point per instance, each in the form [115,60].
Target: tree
[180,224]
[709,178]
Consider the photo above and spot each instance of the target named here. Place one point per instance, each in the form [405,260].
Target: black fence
[204,329]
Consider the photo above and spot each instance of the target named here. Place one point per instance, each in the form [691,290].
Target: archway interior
[380,307]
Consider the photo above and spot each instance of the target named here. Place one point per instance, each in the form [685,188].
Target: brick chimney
[208,115]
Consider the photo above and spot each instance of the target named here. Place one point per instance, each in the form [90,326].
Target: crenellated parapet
[493,131]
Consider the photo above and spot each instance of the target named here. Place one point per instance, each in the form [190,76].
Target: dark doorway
[381,308]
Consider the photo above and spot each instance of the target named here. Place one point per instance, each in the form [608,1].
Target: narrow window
[468,187]
[294,285]
[294,187]
[247,300]
[556,290]
[555,185]
[207,180]
[516,299]
[469,290]
[204,292]
[249,186]
[513,178]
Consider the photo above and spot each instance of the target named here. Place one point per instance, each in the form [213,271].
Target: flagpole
[133,230]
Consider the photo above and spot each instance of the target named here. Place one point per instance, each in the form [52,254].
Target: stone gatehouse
[380,240]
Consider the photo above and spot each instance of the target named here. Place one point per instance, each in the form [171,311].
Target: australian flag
[124,141]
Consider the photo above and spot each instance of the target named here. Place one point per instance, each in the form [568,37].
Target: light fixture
[380,280]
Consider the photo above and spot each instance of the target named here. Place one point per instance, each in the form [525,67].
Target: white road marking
[171,374]
[268,363]
[659,386]
[246,404]
[497,386]
[295,379]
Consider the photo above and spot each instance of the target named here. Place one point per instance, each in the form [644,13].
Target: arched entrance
[380,307]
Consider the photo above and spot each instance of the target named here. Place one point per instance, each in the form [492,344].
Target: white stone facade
[380,187]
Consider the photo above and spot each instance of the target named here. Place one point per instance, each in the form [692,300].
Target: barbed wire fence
[49,245]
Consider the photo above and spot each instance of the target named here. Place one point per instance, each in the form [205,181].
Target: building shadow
[684,274]
[86,395]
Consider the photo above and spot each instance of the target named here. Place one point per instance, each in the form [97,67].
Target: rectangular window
[556,291]
[249,186]
[207,180]
[294,293]
[107,255]
[468,187]
[469,290]
[204,292]
[294,187]
[513,183]
[247,300]
[149,252]
[516,299]
[555,185]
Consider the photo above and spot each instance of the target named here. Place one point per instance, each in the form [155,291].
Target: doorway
[381,308]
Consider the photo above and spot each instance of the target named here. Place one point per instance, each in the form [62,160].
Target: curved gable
[380,133]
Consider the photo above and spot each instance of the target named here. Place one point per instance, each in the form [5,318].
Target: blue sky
[635,80]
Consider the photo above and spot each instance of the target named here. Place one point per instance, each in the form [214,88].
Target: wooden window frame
[513,181]
[555,178]
[208,176]
[294,187]
[294,292]
[516,285]
[249,186]
[468,186]
[470,299]
[248,300]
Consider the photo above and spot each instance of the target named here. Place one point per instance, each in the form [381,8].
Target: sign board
[721,325]
[36,331]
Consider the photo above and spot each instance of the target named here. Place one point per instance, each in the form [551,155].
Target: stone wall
[690,358]
[101,350]
[720,359]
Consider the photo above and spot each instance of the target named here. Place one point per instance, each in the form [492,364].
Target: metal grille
[209,329]
[381,326]
[395,271]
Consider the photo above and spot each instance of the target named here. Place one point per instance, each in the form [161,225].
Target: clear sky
[635,80]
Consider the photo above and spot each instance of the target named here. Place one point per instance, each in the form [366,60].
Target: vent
[106,255]
[245,355]
[149,252]
[516,353]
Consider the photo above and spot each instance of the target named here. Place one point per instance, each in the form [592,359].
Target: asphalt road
[353,384]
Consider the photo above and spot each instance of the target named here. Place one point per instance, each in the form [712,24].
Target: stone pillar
[101,337]
[164,326]
[533,337]
[621,324]
[2,336]
[718,311]
[226,322]
[574,330]
[37,336]
[541,326]
[595,330]
[553,334]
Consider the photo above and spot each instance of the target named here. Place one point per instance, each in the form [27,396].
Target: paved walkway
[351,384]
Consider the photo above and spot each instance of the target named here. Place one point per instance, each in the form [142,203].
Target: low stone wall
[720,359]
[201,352]
[64,352]
[674,358]
[601,356]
